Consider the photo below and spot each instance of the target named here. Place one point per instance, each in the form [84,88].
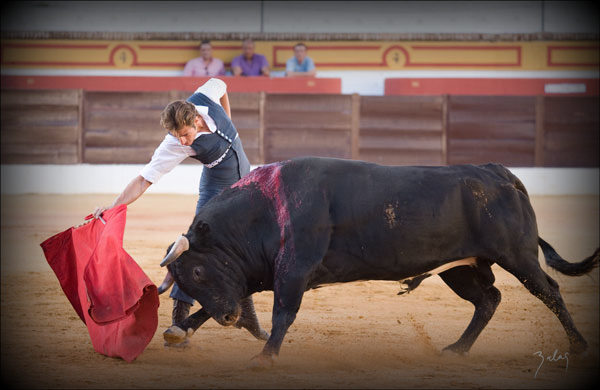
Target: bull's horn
[168,282]
[181,245]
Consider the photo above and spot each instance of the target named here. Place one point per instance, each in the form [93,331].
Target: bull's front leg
[178,333]
[287,297]
[249,321]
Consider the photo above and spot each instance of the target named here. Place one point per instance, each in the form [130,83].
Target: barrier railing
[69,126]
[141,83]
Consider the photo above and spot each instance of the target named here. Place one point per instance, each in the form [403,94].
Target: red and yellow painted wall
[333,55]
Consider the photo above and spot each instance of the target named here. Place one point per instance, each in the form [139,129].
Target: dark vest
[209,147]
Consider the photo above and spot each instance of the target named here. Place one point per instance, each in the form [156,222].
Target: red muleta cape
[110,292]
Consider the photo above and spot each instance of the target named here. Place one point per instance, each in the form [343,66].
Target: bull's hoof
[262,335]
[183,345]
[254,329]
[176,337]
[453,350]
[262,362]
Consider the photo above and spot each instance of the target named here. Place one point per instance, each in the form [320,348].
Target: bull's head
[206,273]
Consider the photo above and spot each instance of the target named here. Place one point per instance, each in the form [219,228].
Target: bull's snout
[229,319]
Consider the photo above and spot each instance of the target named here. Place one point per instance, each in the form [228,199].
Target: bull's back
[395,222]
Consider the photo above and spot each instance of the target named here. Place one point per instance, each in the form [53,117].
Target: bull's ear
[199,234]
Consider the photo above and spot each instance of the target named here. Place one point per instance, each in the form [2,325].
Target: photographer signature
[551,358]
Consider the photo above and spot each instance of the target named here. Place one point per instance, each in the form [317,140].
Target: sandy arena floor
[356,335]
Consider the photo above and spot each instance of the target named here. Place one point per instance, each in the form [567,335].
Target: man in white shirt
[200,128]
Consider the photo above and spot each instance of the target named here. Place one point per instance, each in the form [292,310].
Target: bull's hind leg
[528,272]
[474,284]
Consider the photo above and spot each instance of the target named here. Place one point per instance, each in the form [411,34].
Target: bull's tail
[554,260]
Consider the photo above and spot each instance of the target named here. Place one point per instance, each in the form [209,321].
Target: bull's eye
[198,273]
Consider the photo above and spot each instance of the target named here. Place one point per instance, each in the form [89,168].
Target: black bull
[296,225]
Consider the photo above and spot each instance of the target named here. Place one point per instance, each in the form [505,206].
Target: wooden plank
[570,110]
[571,136]
[246,119]
[52,121]
[307,124]
[401,143]
[575,139]
[244,101]
[444,140]
[288,143]
[503,109]
[124,117]
[19,98]
[432,124]
[406,157]
[38,154]
[401,129]
[308,138]
[509,152]
[485,156]
[80,125]
[117,101]
[482,86]
[296,85]
[312,103]
[40,117]
[492,130]
[355,127]
[261,129]
[111,137]
[539,132]
[401,106]
[309,119]
[587,158]
[284,153]
[118,155]
[42,135]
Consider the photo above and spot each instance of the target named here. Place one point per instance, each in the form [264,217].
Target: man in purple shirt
[248,63]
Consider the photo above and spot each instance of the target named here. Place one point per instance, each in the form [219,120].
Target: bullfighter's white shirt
[171,152]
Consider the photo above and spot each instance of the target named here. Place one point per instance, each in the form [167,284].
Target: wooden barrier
[310,85]
[299,125]
[411,86]
[402,130]
[41,127]
[247,111]
[122,127]
[491,128]
[75,126]
[570,132]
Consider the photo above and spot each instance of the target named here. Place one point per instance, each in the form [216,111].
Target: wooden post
[355,128]
[80,145]
[261,127]
[444,137]
[539,131]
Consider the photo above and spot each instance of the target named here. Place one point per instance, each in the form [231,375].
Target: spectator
[300,64]
[205,65]
[248,63]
